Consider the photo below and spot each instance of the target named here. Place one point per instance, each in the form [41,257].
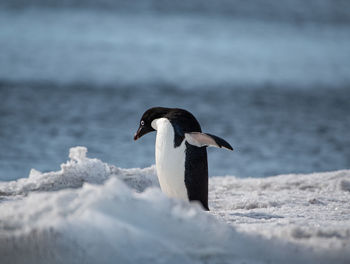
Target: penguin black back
[196,174]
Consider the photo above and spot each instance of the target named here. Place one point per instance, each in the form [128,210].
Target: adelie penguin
[181,155]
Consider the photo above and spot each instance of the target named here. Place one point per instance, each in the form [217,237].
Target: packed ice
[93,212]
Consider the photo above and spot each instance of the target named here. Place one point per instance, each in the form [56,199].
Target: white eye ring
[142,123]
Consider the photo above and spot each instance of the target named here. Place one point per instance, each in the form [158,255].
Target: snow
[93,212]
[73,174]
[312,209]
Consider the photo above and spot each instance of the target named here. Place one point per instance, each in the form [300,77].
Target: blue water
[277,89]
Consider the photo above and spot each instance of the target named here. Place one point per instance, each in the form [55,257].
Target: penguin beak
[137,134]
[142,131]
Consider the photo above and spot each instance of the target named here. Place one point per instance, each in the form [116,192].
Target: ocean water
[276,87]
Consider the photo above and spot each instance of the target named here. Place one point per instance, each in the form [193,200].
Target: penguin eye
[142,123]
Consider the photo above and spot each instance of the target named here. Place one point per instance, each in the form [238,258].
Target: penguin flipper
[203,139]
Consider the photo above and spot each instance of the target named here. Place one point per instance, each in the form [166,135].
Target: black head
[182,120]
[147,118]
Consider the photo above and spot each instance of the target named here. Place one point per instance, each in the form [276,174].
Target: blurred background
[270,77]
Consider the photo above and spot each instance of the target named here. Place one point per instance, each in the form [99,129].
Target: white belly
[170,161]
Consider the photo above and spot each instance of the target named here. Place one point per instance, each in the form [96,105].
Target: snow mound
[73,174]
[92,212]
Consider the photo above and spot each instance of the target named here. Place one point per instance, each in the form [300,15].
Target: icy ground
[85,213]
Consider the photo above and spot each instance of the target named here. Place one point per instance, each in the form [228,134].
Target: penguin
[180,152]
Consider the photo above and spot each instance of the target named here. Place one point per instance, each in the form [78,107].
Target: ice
[93,212]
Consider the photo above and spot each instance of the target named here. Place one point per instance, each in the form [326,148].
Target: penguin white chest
[170,160]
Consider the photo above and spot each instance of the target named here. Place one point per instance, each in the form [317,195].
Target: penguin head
[147,118]
[185,126]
